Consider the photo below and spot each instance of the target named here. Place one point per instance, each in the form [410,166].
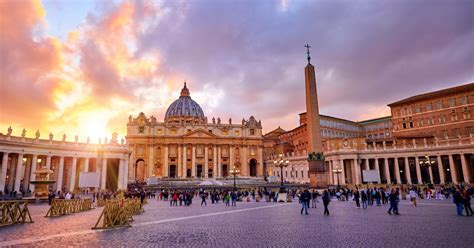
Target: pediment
[200,133]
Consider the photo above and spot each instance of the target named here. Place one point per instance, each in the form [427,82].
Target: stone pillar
[193,162]
[387,170]
[26,175]
[59,183]
[343,172]
[214,162]
[34,160]
[430,171]
[357,172]
[185,160]
[219,168]
[86,165]
[418,170]
[377,168]
[206,162]
[397,171]
[231,157]
[103,174]
[72,181]
[245,165]
[19,169]
[407,171]
[3,175]
[48,165]
[452,169]
[180,163]
[366,164]
[120,175]
[260,162]
[465,169]
[441,170]
[165,163]
[125,173]
[151,163]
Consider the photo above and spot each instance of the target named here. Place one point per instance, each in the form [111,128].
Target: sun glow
[94,126]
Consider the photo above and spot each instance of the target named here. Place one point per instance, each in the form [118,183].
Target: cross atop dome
[308,53]
[185,91]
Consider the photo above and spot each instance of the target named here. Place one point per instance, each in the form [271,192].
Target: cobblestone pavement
[431,224]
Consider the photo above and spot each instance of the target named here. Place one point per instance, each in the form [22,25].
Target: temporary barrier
[118,213]
[13,212]
[61,207]
[100,203]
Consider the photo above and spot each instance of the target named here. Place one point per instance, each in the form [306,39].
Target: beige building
[21,157]
[187,145]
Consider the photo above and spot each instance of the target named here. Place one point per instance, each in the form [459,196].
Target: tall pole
[282,188]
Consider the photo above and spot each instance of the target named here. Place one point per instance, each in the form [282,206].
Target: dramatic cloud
[240,58]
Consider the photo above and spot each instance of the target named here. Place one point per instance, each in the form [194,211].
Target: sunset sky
[82,67]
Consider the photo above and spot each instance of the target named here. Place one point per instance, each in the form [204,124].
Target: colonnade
[18,170]
[408,169]
[215,161]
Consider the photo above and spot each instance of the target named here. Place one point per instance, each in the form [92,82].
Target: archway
[172,171]
[199,170]
[225,170]
[253,167]
[140,169]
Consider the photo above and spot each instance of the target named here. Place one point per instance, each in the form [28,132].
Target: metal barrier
[13,212]
[61,207]
[118,213]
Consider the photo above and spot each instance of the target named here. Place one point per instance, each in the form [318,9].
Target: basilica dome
[184,108]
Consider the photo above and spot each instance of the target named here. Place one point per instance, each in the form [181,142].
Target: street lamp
[234,171]
[427,161]
[338,171]
[281,162]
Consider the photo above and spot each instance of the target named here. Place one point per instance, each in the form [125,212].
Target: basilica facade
[188,145]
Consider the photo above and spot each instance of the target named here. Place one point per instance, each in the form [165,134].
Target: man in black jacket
[326,200]
[305,197]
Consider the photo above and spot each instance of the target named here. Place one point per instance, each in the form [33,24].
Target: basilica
[187,145]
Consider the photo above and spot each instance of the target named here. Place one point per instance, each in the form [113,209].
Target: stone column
[59,183]
[11,176]
[26,175]
[465,169]
[185,160]
[3,175]
[120,175]
[125,173]
[260,162]
[245,165]
[407,171]
[32,171]
[366,164]
[19,169]
[418,170]
[180,161]
[441,170]
[397,171]
[452,169]
[86,164]
[193,161]
[151,162]
[377,168]
[387,171]
[206,161]
[48,165]
[430,171]
[343,172]
[103,174]
[357,172]
[165,162]
[219,168]
[214,162]
[72,182]
[231,157]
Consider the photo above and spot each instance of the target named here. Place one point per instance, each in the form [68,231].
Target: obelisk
[317,170]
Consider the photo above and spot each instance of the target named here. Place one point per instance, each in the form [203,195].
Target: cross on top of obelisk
[308,53]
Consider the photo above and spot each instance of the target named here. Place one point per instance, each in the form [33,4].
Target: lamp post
[281,162]
[234,171]
[338,171]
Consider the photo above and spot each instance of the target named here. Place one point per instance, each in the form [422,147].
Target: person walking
[326,200]
[357,198]
[393,200]
[203,198]
[234,199]
[413,195]
[227,200]
[457,199]
[304,199]
[364,198]
[314,198]
[466,200]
